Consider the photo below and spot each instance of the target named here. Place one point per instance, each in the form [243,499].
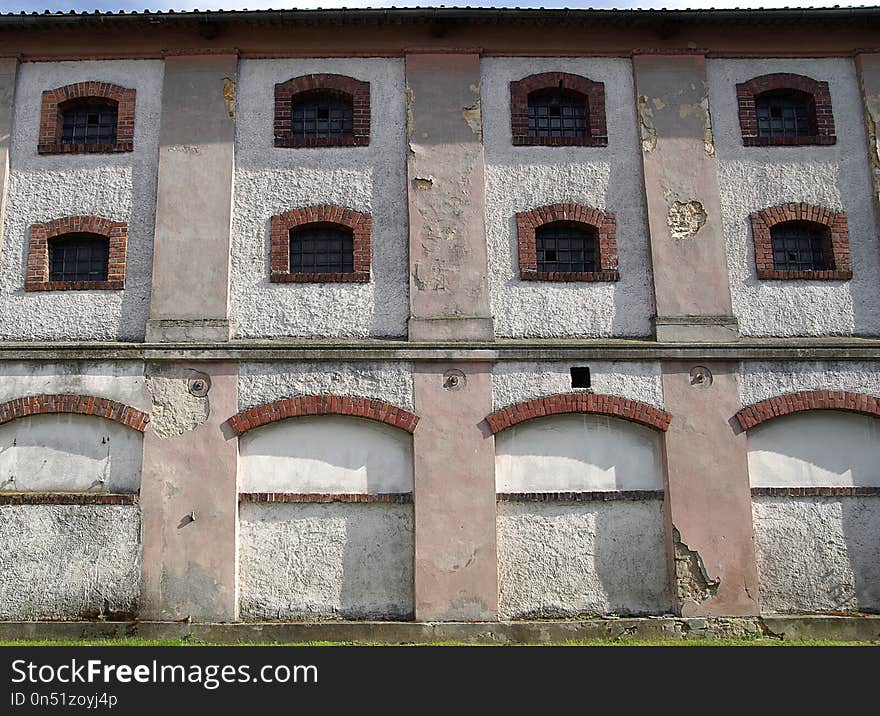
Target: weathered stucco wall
[559,560]
[270,180]
[818,553]
[121,187]
[759,380]
[69,561]
[326,561]
[607,178]
[122,381]
[838,177]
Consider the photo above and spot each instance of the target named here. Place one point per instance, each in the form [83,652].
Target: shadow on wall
[861,533]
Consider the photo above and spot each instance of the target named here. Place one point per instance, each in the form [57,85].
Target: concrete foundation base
[782,627]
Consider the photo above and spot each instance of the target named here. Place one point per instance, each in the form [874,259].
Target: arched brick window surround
[116,233]
[820,107]
[804,400]
[359,223]
[606,246]
[349,87]
[54,102]
[519,109]
[633,410]
[306,405]
[837,247]
[47,404]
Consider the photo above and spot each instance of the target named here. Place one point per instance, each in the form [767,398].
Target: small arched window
[322,115]
[801,246]
[78,257]
[322,111]
[87,117]
[785,113]
[558,113]
[321,249]
[89,121]
[563,246]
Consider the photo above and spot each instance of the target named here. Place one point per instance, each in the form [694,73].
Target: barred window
[322,115]
[785,113]
[567,247]
[78,257]
[321,248]
[89,123]
[557,113]
[800,246]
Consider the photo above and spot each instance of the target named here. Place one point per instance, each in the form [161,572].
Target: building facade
[439,314]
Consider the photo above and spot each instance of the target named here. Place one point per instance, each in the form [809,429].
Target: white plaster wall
[326,561]
[577,453]
[558,560]
[826,448]
[69,453]
[270,180]
[69,561]
[818,553]
[760,380]
[121,187]
[323,454]
[516,382]
[260,383]
[608,178]
[753,178]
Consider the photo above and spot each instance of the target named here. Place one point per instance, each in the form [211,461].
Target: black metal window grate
[799,246]
[321,249]
[783,114]
[322,116]
[557,114]
[565,247]
[78,257]
[89,124]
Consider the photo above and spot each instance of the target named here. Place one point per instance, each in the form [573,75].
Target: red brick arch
[633,410]
[47,404]
[307,405]
[804,400]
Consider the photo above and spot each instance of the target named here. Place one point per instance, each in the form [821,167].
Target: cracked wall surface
[176,410]
[693,584]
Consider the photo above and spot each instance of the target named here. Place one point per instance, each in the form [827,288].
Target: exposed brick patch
[67,498]
[615,406]
[55,101]
[815,491]
[360,224]
[347,88]
[594,92]
[396,498]
[304,405]
[116,233]
[606,246]
[68,403]
[822,118]
[804,400]
[593,496]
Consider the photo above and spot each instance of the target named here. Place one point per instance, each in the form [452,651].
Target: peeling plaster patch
[872,117]
[692,581]
[423,183]
[473,114]
[685,219]
[646,124]
[701,109]
[229,95]
[175,409]
[410,122]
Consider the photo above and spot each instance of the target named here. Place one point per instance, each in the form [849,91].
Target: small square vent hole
[580,377]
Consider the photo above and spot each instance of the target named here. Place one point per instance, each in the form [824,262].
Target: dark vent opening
[580,377]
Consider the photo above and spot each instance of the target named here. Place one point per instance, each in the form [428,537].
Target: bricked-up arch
[340,86]
[836,249]
[116,233]
[55,101]
[359,223]
[603,223]
[804,400]
[633,410]
[307,405]
[822,119]
[47,404]
[594,92]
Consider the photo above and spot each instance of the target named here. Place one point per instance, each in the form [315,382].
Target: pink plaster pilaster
[8,74]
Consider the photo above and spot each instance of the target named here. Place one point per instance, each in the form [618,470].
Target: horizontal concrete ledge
[793,349]
[783,627]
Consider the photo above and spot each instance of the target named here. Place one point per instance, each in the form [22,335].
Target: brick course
[359,223]
[804,400]
[67,498]
[348,88]
[815,491]
[587,496]
[304,405]
[615,406]
[47,404]
[594,92]
[606,241]
[54,102]
[116,233]
[397,498]
[836,250]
